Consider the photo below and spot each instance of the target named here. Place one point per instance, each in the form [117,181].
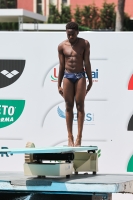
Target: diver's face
[72,35]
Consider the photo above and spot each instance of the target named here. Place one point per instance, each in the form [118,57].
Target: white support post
[20,23]
[47,8]
[59,6]
[68,2]
[36,25]
[42,7]
[34,6]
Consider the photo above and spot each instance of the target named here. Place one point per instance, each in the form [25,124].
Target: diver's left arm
[87,65]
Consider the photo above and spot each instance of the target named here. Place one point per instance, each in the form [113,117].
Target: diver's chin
[72,41]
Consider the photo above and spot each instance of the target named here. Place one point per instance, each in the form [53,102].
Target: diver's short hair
[72,25]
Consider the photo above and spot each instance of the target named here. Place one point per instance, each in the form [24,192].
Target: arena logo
[89,117]
[10,111]
[54,76]
[10,71]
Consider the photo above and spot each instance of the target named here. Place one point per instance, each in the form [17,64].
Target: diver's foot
[78,142]
[70,141]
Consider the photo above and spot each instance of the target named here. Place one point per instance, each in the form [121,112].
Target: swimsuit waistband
[66,72]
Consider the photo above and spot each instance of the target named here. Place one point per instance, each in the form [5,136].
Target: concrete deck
[76,184]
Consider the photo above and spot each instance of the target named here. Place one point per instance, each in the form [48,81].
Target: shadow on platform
[27,196]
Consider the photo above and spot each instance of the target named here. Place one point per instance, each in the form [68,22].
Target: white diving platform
[58,149]
[69,159]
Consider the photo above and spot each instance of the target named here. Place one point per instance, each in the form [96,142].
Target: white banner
[32,110]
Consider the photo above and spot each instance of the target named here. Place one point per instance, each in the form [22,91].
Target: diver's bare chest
[73,52]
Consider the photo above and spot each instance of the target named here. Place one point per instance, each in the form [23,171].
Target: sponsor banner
[94,122]
[130,84]
[98,75]
[55,71]
[10,71]
[29,71]
[10,111]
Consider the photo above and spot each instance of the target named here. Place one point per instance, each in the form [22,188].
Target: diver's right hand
[60,89]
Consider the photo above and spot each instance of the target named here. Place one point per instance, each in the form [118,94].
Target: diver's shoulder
[61,45]
[84,41]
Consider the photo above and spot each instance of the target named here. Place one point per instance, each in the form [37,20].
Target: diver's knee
[80,106]
[69,107]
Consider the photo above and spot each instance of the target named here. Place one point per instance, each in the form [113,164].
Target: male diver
[74,62]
